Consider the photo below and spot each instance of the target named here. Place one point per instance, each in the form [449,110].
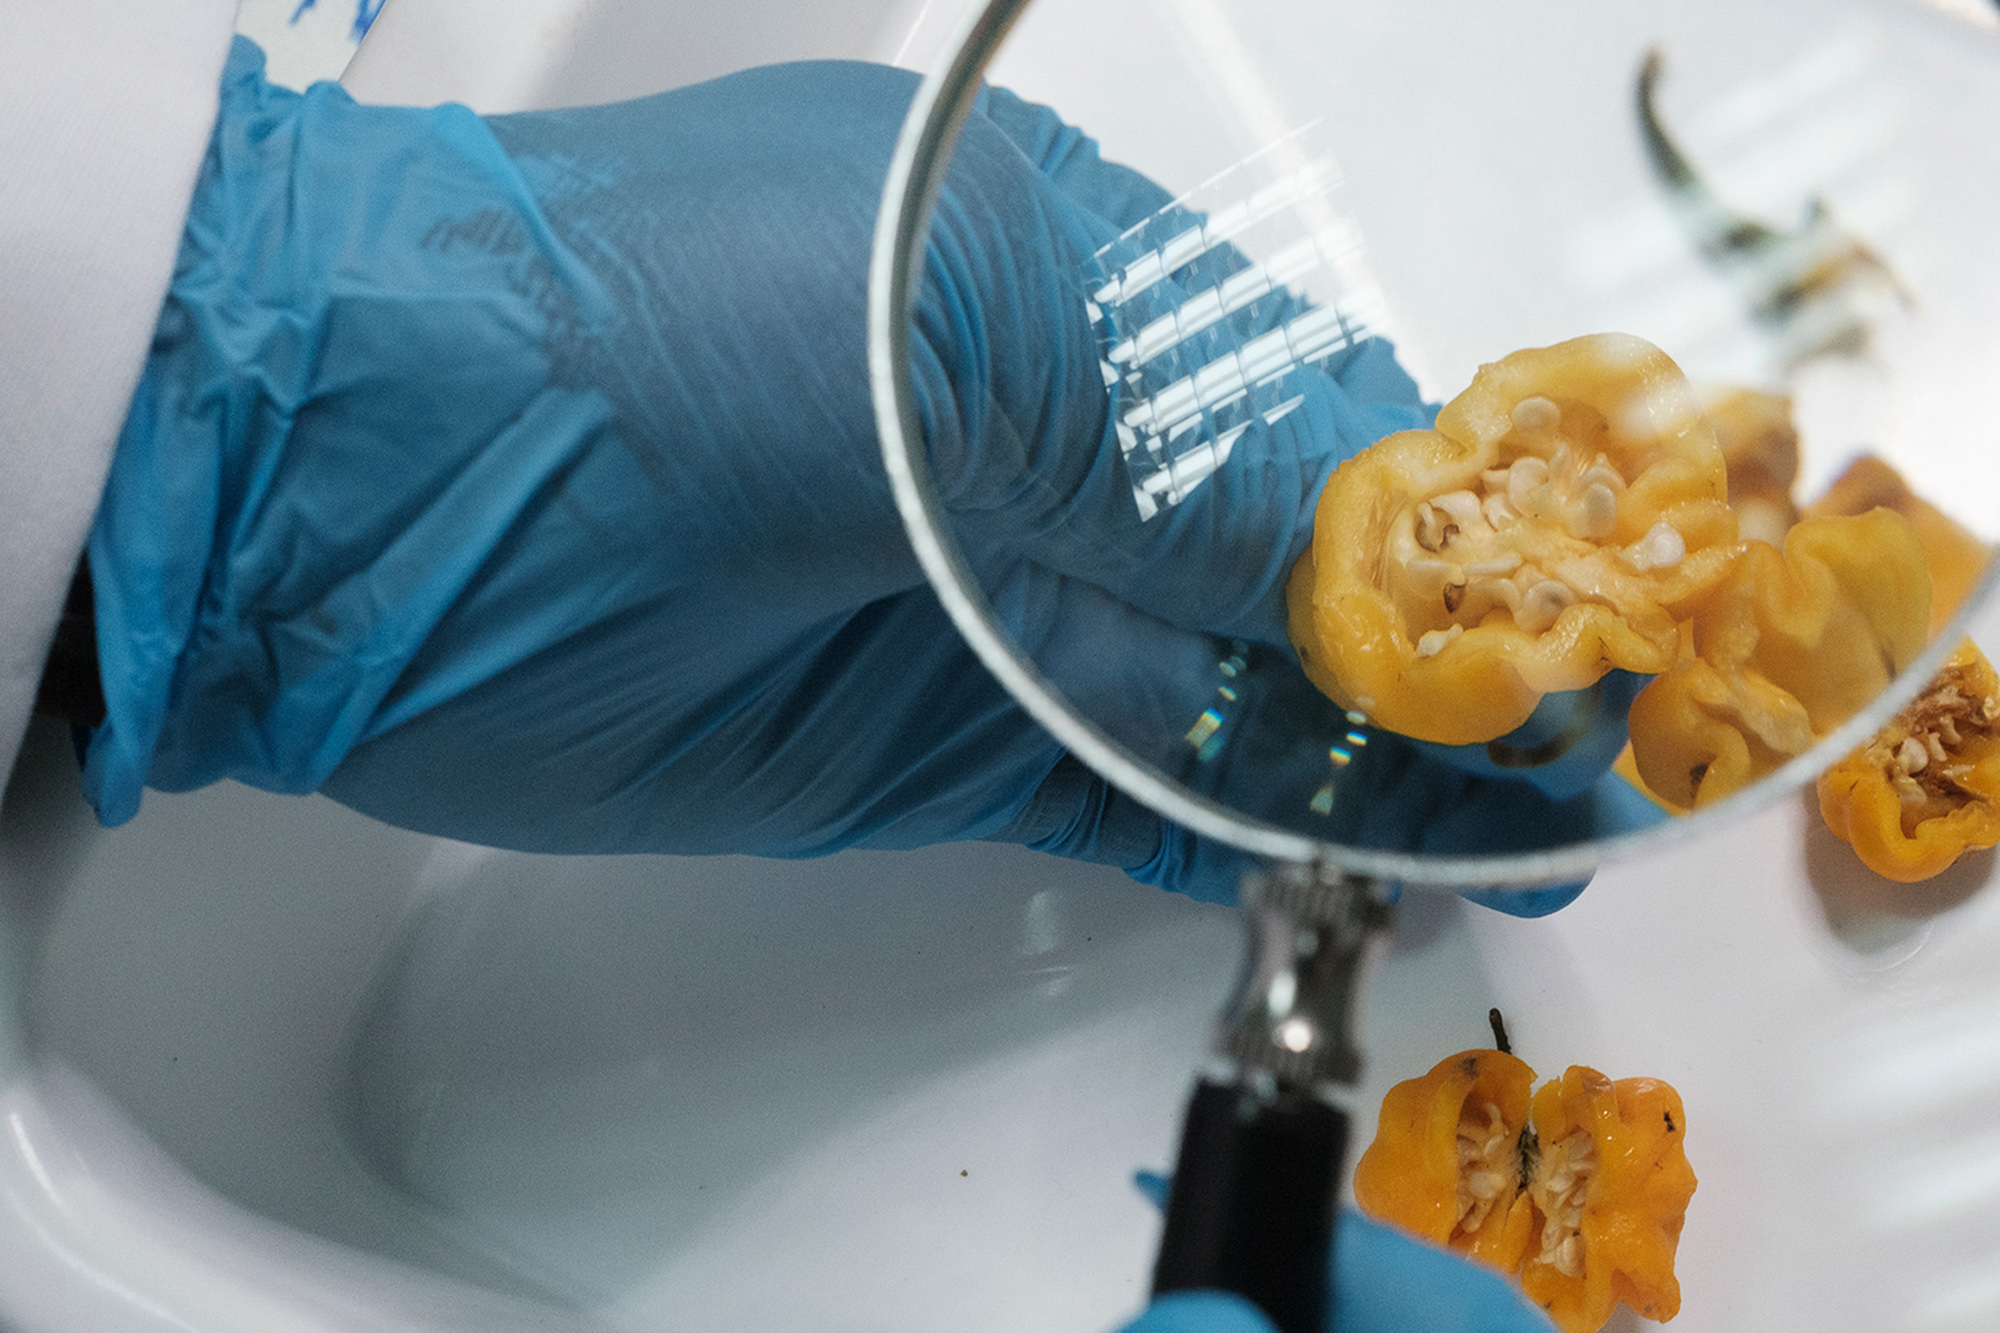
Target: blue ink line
[364,14]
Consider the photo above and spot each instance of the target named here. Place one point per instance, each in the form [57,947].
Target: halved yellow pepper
[1956,557]
[1567,509]
[1790,646]
[1611,1185]
[1927,788]
[1446,1160]
[1581,1190]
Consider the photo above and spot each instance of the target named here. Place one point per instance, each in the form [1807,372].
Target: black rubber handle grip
[1253,1205]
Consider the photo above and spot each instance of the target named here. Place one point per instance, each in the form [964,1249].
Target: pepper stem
[1499,1026]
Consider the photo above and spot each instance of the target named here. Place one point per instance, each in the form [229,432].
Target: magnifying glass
[1724,263]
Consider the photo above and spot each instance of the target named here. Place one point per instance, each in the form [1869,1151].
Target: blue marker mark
[364,14]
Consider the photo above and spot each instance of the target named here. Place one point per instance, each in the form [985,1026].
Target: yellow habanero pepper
[1956,557]
[1581,1190]
[1446,1160]
[1568,507]
[1927,787]
[1611,1185]
[1790,646]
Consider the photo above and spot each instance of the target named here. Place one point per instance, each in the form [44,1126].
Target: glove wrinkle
[1076,814]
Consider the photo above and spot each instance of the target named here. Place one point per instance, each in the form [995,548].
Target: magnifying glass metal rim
[923,153]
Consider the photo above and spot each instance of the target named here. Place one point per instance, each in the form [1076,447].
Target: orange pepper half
[1611,1185]
[1566,509]
[1926,789]
[1446,1160]
[1581,1190]
[1790,646]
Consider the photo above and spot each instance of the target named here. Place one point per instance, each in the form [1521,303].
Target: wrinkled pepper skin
[1568,507]
[1634,1201]
[1790,646]
[1956,557]
[1414,1174]
[1926,789]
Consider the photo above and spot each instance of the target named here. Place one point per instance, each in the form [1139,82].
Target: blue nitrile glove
[516,480]
[1383,1282]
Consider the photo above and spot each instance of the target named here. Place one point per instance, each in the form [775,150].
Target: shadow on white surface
[1876,918]
[287,1068]
[593,1060]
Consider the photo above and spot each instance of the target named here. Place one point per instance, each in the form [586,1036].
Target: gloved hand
[516,480]
[1383,1282]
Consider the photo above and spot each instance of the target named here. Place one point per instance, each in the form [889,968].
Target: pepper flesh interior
[1926,788]
[1559,1186]
[1566,509]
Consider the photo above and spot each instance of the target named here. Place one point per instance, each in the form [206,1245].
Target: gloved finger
[1219,559]
[1071,160]
[1395,794]
[1125,198]
[1078,815]
[1018,419]
[1565,752]
[1567,744]
[1200,1312]
[1543,901]
[1502,819]
[1142,682]
[1387,1282]
[1210,713]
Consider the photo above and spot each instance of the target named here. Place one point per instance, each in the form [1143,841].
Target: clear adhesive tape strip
[1208,311]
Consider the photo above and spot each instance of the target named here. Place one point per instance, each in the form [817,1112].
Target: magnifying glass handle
[1254,1199]
[1257,1184]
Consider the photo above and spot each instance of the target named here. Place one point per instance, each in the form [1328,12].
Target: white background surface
[274,1068]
